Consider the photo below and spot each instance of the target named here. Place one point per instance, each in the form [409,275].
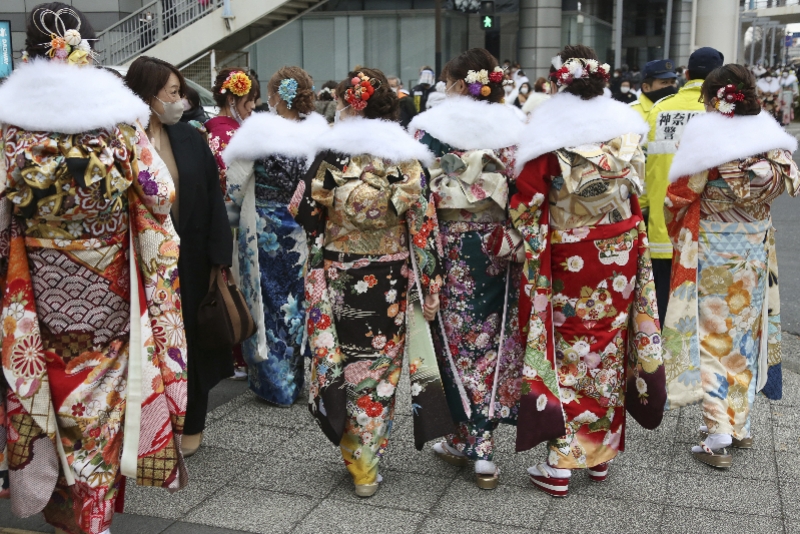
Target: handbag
[223,319]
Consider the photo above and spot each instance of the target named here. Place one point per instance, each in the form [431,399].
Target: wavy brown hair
[304,99]
[475,59]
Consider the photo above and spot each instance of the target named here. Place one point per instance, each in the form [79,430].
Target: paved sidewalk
[264,469]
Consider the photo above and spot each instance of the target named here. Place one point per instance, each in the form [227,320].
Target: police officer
[667,119]
[659,81]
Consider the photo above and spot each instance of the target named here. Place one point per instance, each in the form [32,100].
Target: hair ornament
[478,81]
[238,83]
[576,69]
[727,97]
[287,90]
[65,45]
[361,91]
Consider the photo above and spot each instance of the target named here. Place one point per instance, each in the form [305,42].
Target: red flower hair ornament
[361,91]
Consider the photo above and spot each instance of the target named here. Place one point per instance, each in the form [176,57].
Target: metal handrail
[763,4]
[148,26]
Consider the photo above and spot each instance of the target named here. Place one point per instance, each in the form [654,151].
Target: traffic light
[489,23]
[487,8]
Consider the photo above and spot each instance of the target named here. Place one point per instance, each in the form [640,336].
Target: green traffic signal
[488,22]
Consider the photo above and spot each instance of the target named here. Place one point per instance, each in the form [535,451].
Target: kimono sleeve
[220,239]
[240,173]
[423,228]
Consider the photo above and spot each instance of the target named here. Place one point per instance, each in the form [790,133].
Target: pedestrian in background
[199,215]
[326,101]
[625,95]
[541,92]
[723,330]
[420,92]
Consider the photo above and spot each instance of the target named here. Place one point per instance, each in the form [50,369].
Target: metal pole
[668,30]
[752,42]
[618,34]
[772,47]
[763,45]
[693,28]
[438,56]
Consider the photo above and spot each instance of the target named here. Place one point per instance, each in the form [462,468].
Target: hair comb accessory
[287,90]
[361,91]
[576,69]
[727,97]
[65,45]
[238,83]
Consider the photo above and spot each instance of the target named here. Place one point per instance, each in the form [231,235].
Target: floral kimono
[587,306]
[769,94]
[93,350]
[266,161]
[787,98]
[722,331]
[478,339]
[371,227]
[220,132]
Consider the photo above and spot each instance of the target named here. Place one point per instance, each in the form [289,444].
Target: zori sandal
[744,443]
[553,486]
[445,452]
[716,458]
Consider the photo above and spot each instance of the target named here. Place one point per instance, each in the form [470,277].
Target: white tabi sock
[544,470]
[485,467]
[715,442]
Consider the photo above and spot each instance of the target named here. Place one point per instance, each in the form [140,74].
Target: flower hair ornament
[363,88]
[65,45]
[478,81]
[287,90]
[576,69]
[726,99]
[238,83]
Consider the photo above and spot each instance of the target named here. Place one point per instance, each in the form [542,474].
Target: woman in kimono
[266,160]
[90,301]
[722,330]
[769,93]
[788,83]
[473,136]
[587,305]
[235,93]
[365,206]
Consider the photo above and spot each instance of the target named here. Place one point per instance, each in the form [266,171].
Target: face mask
[186,105]
[338,115]
[523,91]
[447,90]
[658,94]
[785,75]
[624,90]
[394,90]
[173,111]
[616,75]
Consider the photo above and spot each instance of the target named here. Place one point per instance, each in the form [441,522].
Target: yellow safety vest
[667,119]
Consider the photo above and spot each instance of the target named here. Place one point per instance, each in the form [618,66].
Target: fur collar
[712,139]
[263,134]
[50,96]
[470,124]
[566,120]
[383,139]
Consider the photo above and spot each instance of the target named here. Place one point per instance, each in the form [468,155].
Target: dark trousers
[662,271]
[196,408]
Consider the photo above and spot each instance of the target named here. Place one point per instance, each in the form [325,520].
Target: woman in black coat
[201,222]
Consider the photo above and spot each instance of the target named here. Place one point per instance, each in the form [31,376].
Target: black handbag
[223,319]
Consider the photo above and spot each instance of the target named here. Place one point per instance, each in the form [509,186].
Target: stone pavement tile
[790,500]
[678,520]
[309,444]
[788,467]
[262,413]
[401,455]
[646,453]
[791,526]
[665,431]
[786,438]
[334,517]
[436,524]
[513,466]
[507,505]
[786,415]
[139,524]
[311,476]
[193,528]
[756,463]
[791,390]
[623,482]
[216,464]
[34,523]
[223,410]
[602,516]
[725,494]
[264,512]
[158,502]
[246,437]
[401,490]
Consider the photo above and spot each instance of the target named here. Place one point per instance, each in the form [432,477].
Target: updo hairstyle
[475,59]
[304,98]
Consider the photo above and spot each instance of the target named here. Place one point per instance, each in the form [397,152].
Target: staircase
[179,31]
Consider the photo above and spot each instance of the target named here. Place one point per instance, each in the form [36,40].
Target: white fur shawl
[383,139]
[566,120]
[51,96]
[470,124]
[263,134]
[712,139]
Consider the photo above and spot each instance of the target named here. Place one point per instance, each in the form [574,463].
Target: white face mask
[624,90]
[173,111]
[447,90]
[523,91]
[338,115]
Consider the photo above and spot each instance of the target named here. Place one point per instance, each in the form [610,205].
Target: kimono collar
[712,139]
[264,134]
[49,96]
[568,121]
[356,136]
[469,124]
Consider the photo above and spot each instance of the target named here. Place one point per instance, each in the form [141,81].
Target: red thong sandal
[599,473]
[555,487]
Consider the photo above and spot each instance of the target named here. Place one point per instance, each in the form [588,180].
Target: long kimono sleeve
[425,245]
[220,239]
[240,181]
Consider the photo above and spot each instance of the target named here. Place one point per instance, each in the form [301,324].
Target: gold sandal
[708,456]
[746,443]
[487,482]
[366,490]
[447,456]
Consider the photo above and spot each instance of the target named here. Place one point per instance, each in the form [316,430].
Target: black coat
[206,240]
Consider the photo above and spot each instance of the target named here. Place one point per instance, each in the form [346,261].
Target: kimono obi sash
[366,205]
[470,187]
[595,184]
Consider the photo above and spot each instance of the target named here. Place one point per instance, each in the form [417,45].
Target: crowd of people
[551,262]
